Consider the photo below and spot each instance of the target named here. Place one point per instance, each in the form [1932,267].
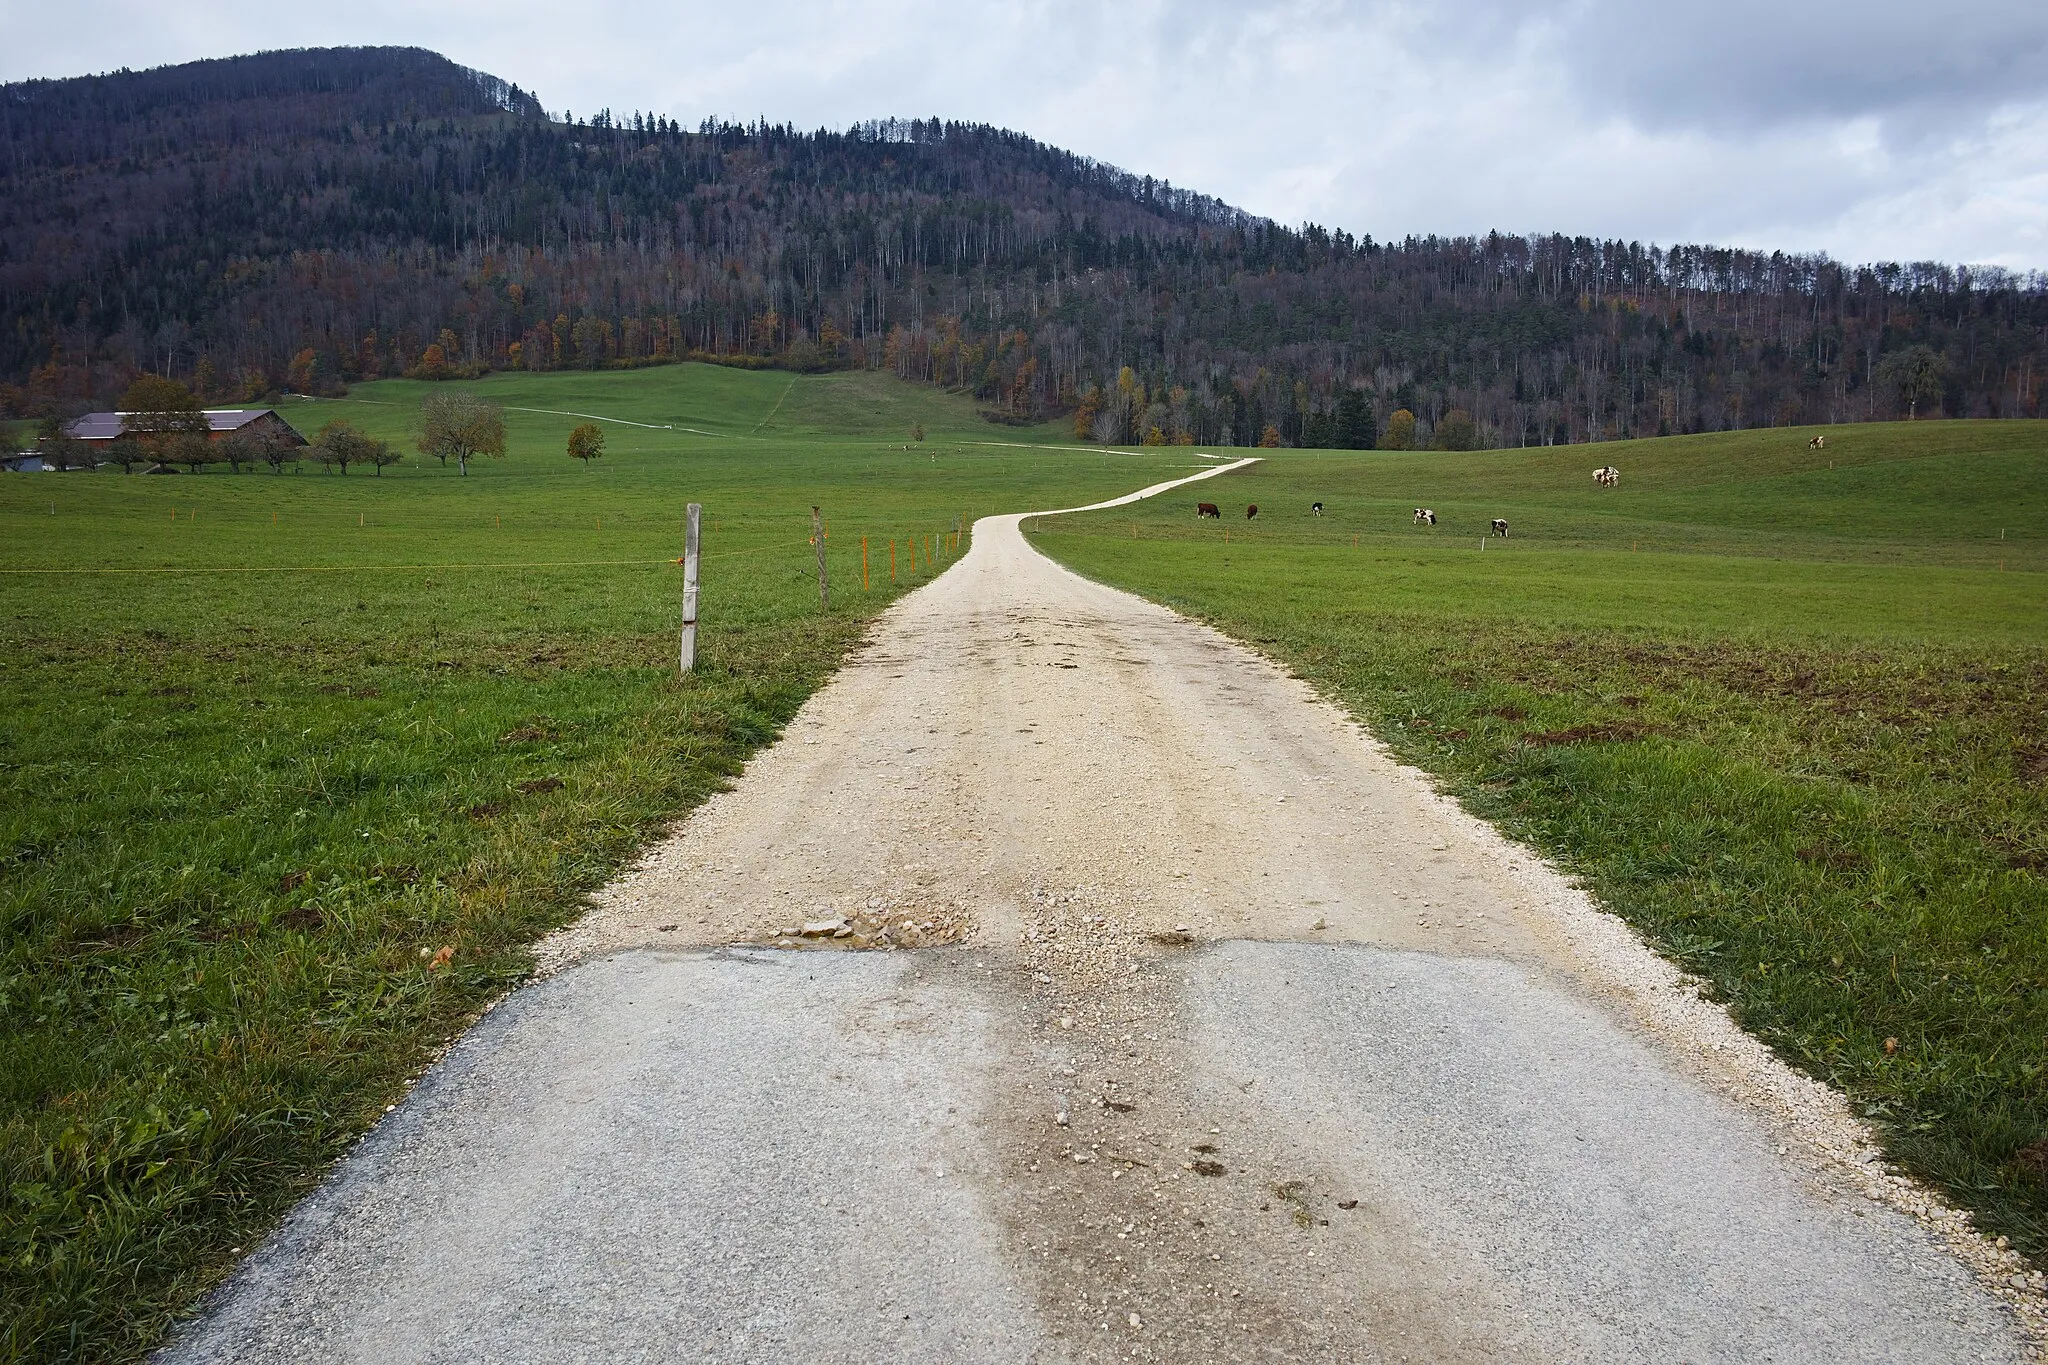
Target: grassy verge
[1810,763]
[295,767]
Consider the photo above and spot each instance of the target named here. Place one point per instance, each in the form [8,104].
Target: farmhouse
[220,422]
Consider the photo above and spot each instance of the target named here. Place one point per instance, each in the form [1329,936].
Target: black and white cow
[1500,527]
[1425,516]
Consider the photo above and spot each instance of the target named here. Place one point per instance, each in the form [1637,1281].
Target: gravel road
[1189,1027]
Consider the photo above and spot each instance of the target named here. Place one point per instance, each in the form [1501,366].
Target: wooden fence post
[818,539]
[863,563]
[691,521]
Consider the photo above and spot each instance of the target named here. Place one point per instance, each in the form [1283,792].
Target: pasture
[296,765]
[1784,709]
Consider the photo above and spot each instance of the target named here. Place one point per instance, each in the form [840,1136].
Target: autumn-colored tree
[586,443]
[537,351]
[300,376]
[154,394]
[1155,437]
[1021,386]
[917,431]
[1457,431]
[593,339]
[1084,416]
[461,425]
[340,445]
[433,365]
[1400,433]
[1127,407]
[1269,439]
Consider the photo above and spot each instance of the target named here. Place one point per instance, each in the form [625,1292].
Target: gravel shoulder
[1192,1028]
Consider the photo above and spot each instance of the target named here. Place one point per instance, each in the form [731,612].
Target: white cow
[1607,476]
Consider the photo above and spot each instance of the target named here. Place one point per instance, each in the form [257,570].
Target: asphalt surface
[1191,1029]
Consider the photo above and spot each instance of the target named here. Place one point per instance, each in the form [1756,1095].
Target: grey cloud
[1743,64]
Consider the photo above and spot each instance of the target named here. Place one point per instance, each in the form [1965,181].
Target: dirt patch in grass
[1609,732]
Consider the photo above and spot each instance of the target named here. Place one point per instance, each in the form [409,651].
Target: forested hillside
[303,219]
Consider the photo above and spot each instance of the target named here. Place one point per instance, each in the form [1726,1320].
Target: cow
[1425,516]
[1251,511]
[1208,509]
[1817,443]
[1315,509]
[1500,527]
[1607,476]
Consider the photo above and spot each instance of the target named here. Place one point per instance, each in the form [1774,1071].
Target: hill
[306,219]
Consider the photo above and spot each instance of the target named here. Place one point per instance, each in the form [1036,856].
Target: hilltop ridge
[305,219]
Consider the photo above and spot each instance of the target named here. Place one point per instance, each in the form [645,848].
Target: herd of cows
[1606,476]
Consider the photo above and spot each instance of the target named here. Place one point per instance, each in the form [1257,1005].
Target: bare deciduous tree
[462,426]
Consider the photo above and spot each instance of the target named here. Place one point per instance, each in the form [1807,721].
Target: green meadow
[1784,709]
[296,766]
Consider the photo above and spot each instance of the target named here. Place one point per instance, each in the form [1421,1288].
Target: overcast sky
[1873,130]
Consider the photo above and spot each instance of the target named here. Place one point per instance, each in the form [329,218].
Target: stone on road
[1196,1030]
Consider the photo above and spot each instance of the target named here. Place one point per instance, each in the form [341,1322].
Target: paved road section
[1147,1011]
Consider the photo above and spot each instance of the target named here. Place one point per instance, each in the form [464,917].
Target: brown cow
[1251,511]
[1208,509]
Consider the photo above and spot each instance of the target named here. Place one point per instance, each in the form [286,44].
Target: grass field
[1786,710]
[275,741]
